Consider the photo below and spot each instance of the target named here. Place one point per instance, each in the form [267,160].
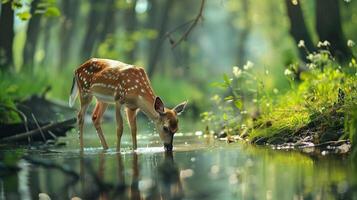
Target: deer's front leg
[119,120]
[97,115]
[85,100]
[131,115]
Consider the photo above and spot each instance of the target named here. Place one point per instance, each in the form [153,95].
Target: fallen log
[46,130]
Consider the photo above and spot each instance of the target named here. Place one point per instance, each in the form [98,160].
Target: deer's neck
[146,105]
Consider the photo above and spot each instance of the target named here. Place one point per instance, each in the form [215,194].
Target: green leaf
[225,116]
[229,98]
[238,104]
[24,15]
[218,84]
[16,4]
[227,80]
[52,12]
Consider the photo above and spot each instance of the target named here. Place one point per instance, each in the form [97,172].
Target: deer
[124,85]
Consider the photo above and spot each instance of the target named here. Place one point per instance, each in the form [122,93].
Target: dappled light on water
[199,167]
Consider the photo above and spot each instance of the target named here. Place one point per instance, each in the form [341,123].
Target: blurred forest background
[43,41]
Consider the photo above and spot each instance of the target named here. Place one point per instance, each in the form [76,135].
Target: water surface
[199,168]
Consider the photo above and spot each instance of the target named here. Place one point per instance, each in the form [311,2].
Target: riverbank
[319,110]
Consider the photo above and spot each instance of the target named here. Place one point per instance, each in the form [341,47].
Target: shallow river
[199,168]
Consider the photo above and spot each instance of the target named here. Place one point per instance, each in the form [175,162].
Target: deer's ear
[159,106]
[180,108]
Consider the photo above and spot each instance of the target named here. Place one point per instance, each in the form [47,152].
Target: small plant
[318,108]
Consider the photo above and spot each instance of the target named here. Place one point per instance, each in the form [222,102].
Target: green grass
[321,105]
[18,86]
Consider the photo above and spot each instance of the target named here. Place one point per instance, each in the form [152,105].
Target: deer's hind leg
[131,116]
[85,101]
[119,120]
[97,115]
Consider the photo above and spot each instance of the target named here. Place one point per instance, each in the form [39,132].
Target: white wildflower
[248,65]
[350,43]
[311,66]
[310,56]
[244,112]
[326,43]
[237,72]
[216,98]
[287,72]
[301,44]
[323,44]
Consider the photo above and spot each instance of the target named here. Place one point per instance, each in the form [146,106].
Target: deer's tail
[74,92]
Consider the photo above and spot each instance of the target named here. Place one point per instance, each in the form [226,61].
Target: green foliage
[119,45]
[48,8]
[12,158]
[174,91]
[351,125]
[325,97]
[26,15]
[15,87]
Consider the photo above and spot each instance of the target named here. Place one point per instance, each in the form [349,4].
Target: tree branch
[45,128]
[193,23]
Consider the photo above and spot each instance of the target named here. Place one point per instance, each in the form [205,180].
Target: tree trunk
[109,20]
[32,33]
[93,28]
[68,28]
[244,33]
[6,36]
[328,26]
[47,42]
[155,49]
[130,22]
[298,29]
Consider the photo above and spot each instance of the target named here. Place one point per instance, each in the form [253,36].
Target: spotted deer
[115,82]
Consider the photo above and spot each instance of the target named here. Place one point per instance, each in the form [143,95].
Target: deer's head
[167,124]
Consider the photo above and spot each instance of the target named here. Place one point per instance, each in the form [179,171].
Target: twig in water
[39,127]
[53,135]
[36,131]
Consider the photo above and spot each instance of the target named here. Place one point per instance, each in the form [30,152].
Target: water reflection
[218,171]
[164,182]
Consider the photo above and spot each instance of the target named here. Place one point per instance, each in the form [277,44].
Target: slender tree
[244,32]
[298,29]
[32,35]
[130,22]
[110,21]
[155,49]
[329,28]
[47,41]
[68,29]
[6,36]
[94,28]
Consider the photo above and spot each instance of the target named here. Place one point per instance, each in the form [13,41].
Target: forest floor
[320,114]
